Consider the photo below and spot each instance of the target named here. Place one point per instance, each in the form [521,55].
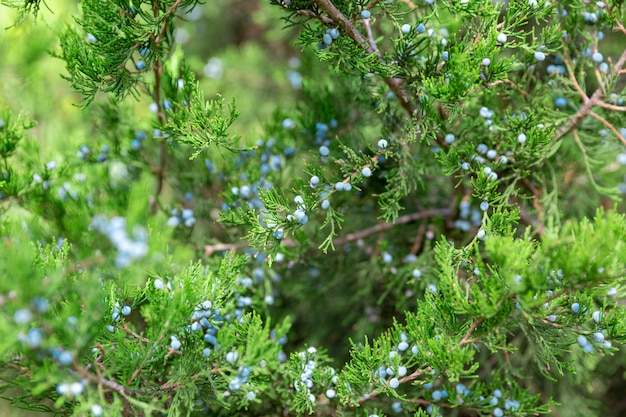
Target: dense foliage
[424,220]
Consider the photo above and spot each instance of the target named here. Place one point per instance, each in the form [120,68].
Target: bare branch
[395,84]
[608,126]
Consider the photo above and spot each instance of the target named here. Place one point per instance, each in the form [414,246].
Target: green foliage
[429,222]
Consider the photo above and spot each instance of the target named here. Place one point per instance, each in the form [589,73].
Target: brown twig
[394,84]
[100,381]
[132,333]
[613,107]
[158,71]
[608,125]
[323,19]
[587,107]
[466,339]
[351,237]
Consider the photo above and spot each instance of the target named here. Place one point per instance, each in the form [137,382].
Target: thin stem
[584,111]
[158,72]
[394,84]
[608,126]
[351,237]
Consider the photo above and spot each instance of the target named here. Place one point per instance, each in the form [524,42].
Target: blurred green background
[236,48]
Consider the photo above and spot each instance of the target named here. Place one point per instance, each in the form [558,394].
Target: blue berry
[34,338]
[365,14]
[382,143]
[234,384]
[596,316]
[575,308]
[497,412]
[22,316]
[63,388]
[497,393]
[279,234]
[598,337]
[65,358]
[327,39]
[325,204]
[436,395]
[560,102]
[140,65]
[175,343]
[126,310]
[366,172]
[406,28]
[334,33]
[445,55]
[135,144]
[420,28]
[597,57]
[288,124]
[449,138]
[96,410]
[501,38]
[402,346]
[394,383]
[231,357]
[324,151]
[540,56]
